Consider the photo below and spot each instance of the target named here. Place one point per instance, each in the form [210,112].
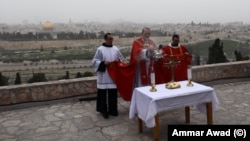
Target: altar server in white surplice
[107,53]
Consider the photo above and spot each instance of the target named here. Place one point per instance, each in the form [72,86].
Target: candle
[189,73]
[152,77]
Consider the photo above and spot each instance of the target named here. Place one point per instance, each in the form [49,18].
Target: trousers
[107,101]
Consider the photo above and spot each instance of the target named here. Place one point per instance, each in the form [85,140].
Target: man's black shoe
[115,114]
[105,115]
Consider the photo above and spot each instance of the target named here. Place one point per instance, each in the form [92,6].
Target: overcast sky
[140,11]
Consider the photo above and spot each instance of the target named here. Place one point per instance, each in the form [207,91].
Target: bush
[78,75]
[66,76]
[37,77]
[87,74]
[3,80]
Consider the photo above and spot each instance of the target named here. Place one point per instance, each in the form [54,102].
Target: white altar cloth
[147,104]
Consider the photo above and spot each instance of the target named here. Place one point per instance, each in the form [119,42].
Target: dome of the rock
[47,25]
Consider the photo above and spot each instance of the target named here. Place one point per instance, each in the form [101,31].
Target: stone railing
[87,86]
[47,90]
[204,73]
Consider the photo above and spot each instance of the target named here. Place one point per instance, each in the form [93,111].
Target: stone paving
[71,120]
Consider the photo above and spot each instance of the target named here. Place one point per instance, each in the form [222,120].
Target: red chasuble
[137,47]
[181,54]
[123,74]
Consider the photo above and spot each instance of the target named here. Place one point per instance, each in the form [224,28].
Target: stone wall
[87,86]
[211,72]
[47,90]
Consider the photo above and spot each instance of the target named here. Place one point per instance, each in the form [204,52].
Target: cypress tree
[216,53]
[3,80]
[78,75]
[67,75]
[18,78]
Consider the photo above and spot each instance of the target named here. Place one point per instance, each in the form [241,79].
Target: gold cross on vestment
[172,84]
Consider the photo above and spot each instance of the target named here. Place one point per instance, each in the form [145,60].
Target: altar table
[146,105]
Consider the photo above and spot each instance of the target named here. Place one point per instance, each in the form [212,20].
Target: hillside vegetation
[54,62]
[229,46]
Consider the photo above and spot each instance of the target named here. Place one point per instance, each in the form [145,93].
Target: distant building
[48,27]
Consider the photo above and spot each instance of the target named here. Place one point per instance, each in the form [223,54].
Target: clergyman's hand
[187,54]
[106,62]
[150,52]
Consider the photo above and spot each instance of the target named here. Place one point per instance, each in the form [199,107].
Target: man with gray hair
[137,72]
[142,56]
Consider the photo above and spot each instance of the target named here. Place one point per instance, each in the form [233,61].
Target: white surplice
[109,54]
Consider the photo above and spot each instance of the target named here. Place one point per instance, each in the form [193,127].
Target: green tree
[216,53]
[41,49]
[37,77]
[87,74]
[78,75]
[197,60]
[18,78]
[239,56]
[3,80]
[81,35]
[67,75]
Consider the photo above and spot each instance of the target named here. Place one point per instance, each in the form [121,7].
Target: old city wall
[87,86]
[14,45]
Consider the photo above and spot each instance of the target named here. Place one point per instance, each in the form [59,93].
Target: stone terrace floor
[71,120]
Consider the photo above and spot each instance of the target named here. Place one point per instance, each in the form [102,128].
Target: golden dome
[47,25]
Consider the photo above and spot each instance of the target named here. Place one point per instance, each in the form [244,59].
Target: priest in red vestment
[137,72]
[176,52]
